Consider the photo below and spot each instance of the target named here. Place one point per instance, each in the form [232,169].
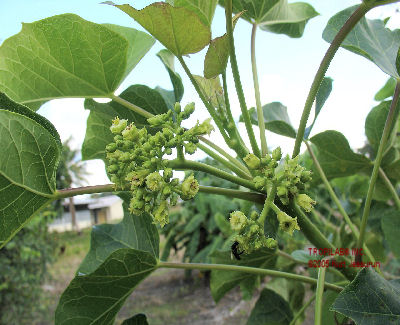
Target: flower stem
[377,163]
[226,163]
[267,205]
[319,295]
[131,106]
[69,192]
[246,269]
[248,196]
[236,77]
[260,115]
[195,165]
[302,310]
[390,187]
[225,154]
[330,53]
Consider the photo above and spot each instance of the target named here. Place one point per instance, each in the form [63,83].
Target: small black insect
[234,251]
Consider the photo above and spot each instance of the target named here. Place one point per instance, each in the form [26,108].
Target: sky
[286,68]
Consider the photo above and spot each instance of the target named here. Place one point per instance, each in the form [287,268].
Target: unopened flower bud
[277,154]
[190,148]
[190,187]
[187,111]
[305,202]
[252,161]
[154,181]
[177,107]
[161,214]
[271,243]
[118,125]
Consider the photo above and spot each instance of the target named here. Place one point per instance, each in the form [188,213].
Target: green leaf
[139,319]
[276,119]
[223,224]
[386,91]
[168,96]
[96,298]
[217,54]
[223,281]
[270,308]
[98,133]
[139,44]
[335,155]
[167,58]
[212,90]
[194,223]
[322,95]
[370,299]
[136,232]
[375,122]
[67,56]
[390,225]
[276,16]
[29,156]
[328,316]
[204,9]
[178,29]
[369,38]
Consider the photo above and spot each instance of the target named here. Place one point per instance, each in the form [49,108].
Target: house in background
[89,211]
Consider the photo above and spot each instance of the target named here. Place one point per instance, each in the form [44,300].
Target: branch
[69,192]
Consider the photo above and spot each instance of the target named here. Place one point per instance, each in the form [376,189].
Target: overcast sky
[286,69]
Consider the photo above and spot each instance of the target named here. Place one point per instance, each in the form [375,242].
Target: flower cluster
[136,161]
[249,232]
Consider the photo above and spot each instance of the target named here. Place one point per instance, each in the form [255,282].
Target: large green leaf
[204,9]
[276,119]
[335,155]
[223,281]
[270,308]
[96,298]
[390,225]
[67,56]
[29,155]
[370,300]
[136,232]
[276,16]
[139,319]
[98,133]
[168,59]
[323,93]
[369,38]
[178,29]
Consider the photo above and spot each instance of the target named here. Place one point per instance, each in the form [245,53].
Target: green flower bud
[174,199]
[167,174]
[190,148]
[111,147]
[174,182]
[137,177]
[259,182]
[271,243]
[304,201]
[118,125]
[252,161]
[287,223]
[190,187]
[254,215]
[112,169]
[187,111]
[161,214]
[305,176]
[166,191]
[154,181]
[277,154]
[237,220]
[177,107]
[265,160]
[168,151]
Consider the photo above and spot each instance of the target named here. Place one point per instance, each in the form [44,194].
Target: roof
[104,202]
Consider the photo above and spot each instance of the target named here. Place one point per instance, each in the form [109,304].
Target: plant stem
[260,115]
[268,202]
[236,77]
[69,192]
[330,53]
[302,310]
[209,107]
[377,163]
[390,187]
[226,163]
[319,295]
[225,154]
[195,165]
[246,269]
[231,127]
[248,196]
[131,106]
[336,200]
